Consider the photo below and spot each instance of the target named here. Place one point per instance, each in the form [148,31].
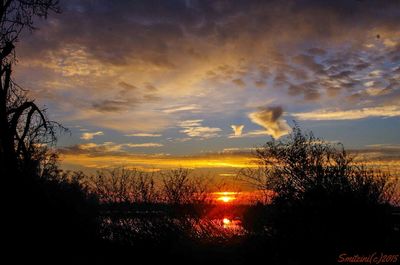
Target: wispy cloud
[107,147]
[143,135]
[351,114]
[144,145]
[90,135]
[194,128]
[202,132]
[253,133]
[238,149]
[191,108]
[384,146]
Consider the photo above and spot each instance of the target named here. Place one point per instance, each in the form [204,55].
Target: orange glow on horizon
[161,162]
[225,196]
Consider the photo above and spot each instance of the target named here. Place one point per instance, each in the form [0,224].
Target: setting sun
[226,221]
[225,196]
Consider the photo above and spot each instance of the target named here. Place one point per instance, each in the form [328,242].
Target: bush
[324,202]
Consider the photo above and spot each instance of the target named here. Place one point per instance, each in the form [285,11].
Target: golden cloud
[237,130]
[352,114]
[271,119]
[90,135]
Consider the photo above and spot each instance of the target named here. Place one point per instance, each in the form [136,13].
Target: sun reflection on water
[232,224]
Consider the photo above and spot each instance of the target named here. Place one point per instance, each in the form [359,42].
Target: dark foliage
[48,214]
[53,221]
[324,204]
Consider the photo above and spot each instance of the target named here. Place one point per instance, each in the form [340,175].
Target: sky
[198,84]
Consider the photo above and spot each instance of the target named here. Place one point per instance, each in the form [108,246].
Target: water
[130,229]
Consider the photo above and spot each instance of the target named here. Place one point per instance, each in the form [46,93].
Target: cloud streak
[90,135]
[351,114]
[143,135]
[194,128]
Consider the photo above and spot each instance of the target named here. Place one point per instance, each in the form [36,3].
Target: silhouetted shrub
[121,185]
[324,202]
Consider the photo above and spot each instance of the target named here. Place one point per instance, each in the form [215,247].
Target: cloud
[280,79]
[308,62]
[191,108]
[190,123]
[131,67]
[260,83]
[144,134]
[109,148]
[194,128]
[90,135]
[239,82]
[126,86]
[254,133]
[109,155]
[144,145]
[308,90]
[202,132]
[112,155]
[316,51]
[93,148]
[237,130]
[142,120]
[150,87]
[385,146]
[271,119]
[351,114]
[238,150]
[110,105]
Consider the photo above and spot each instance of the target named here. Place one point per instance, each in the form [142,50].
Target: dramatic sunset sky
[163,84]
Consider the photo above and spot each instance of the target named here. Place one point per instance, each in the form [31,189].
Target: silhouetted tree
[23,125]
[121,185]
[180,188]
[323,200]
[48,212]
